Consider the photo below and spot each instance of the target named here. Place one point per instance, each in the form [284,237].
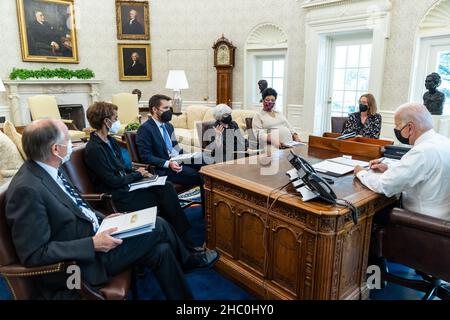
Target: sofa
[12,155]
[185,124]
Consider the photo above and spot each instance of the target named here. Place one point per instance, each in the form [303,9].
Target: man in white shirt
[422,176]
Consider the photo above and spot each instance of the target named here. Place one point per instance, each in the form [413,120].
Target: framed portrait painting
[47,30]
[135,62]
[132,20]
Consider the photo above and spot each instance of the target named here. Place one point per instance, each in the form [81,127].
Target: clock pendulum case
[224,52]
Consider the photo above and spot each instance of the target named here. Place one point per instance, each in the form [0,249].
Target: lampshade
[177,80]
[2,87]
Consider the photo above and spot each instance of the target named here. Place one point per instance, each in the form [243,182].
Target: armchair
[128,109]
[20,278]
[420,242]
[338,124]
[78,174]
[44,106]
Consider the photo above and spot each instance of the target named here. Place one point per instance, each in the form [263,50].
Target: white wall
[182,34]
[193,26]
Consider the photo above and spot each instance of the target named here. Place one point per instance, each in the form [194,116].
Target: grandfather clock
[224,63]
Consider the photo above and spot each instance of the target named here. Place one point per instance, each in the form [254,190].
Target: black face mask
[398,135]
[166,116]
[363,107]
[226,119]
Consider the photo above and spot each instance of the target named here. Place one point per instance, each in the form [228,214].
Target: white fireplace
[84,92]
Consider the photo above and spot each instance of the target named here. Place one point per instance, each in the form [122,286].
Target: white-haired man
[422,176]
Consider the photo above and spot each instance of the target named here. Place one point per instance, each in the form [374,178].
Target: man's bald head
[39,137]
[416,113]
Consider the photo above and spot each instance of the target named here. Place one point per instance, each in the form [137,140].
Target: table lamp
[177,81]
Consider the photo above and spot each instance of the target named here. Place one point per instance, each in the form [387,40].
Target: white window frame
[253,56]
[424,65]
[347,40]
[323,22]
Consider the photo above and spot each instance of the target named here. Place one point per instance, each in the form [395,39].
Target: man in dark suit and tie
[50,223]
[157,143]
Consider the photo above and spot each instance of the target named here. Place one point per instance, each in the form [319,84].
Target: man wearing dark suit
[135,68]
[42,37]
[157,143]
[50,223]
[133,26]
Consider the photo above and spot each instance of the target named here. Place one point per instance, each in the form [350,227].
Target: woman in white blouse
[270,125]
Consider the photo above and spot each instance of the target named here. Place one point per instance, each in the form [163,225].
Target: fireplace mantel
[77,91]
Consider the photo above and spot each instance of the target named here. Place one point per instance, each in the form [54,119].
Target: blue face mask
[68,152]
[115,127]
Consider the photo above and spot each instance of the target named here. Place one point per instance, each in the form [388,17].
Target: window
[433,56]
[350,76]
[443,68]
[271,69]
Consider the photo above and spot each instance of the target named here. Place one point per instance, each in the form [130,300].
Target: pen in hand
[379,161]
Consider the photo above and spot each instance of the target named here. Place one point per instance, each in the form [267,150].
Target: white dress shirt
[53,172]
[422,176]
[174,151]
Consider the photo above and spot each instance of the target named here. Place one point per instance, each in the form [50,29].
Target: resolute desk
[294,250]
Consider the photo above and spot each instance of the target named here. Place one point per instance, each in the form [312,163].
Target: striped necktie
[81,204]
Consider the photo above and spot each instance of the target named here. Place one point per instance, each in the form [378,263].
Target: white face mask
[68,152]
[115,127]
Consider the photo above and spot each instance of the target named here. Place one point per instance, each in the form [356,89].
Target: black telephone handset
[316,183]
[311,179]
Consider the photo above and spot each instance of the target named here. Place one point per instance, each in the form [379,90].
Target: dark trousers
[188,176]
[165,198]
[162,251]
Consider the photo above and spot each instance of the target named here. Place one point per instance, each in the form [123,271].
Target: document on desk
[143,184]
[131,224]
[338,166]
[292,144]
[185,156]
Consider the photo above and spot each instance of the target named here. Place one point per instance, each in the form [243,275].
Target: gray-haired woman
[228,143]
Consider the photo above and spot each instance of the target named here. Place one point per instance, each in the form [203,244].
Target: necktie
[81,204]
[167,139]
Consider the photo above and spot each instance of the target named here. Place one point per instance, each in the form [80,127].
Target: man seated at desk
[157,144]
[422,176]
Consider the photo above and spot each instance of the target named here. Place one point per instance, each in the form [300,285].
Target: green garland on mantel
[45,73]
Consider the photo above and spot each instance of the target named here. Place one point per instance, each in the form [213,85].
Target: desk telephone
[314,182]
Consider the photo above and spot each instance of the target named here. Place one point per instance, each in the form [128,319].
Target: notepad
[147,183]
[131,224]
[338,166]
[292,144]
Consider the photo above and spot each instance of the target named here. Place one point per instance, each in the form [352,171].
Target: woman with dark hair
[111,175]
[272,126]
[366,122]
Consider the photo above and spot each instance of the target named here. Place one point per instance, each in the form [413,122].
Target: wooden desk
[314,251]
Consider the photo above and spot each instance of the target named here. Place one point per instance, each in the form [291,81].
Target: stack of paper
[185,156]
[338,166]
[143,184]
[130,224]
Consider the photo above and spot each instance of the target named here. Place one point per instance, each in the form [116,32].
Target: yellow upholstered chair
[128,111]
[45,107]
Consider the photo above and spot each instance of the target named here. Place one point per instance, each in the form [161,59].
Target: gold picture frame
[47,30]
[132,67]
[132,20]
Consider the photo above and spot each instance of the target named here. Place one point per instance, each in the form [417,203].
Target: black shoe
[195,249]
[205,259]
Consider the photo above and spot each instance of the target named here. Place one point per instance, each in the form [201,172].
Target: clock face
[223,55]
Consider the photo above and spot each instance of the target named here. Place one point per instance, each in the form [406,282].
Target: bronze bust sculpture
[433,99]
